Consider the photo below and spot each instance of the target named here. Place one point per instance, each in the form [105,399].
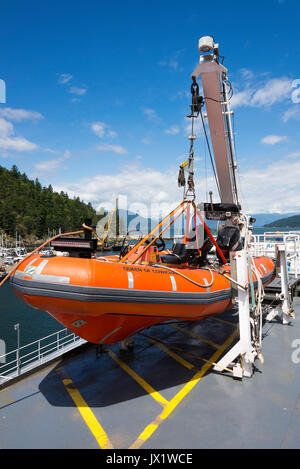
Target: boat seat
[178,255]
[171,259]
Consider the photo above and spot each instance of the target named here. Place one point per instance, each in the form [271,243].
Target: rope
[258,308]
[209,151]
[189,279]
[244,287]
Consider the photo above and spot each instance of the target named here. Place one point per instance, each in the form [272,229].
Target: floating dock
[161,394]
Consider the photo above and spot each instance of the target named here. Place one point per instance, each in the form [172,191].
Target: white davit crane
[215,90]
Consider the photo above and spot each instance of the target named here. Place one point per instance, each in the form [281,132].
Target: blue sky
[97,94]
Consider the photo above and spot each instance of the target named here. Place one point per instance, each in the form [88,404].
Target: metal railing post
[39,350]
[21,361]
[17,328]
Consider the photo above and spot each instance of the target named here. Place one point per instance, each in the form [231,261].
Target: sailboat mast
[117,218]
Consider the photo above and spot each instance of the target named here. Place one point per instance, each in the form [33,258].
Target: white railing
[265,245]
[36,353]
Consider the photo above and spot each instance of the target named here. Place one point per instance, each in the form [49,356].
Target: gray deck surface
[204,410]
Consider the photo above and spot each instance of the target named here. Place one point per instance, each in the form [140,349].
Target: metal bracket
[127,343]
[243,348]
[284,309]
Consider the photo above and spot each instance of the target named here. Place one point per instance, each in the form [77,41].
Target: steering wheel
[159,243]
[125,248]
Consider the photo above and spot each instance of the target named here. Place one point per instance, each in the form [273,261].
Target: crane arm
[213,77]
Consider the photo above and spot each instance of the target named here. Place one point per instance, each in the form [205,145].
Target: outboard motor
[228,240]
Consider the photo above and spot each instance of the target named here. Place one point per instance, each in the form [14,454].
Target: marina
[10,255]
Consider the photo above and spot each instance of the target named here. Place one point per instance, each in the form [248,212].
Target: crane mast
[215,90]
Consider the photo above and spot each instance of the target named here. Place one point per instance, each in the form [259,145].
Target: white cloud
[152,115]
[264,93]
[173,130]
[263,189]
[17,144]
[9,142]
[266,190]
[241,98]
[64,78]
[103,130]
[273,139]
[112,133]
[49,150]
[172,62]
[295,154]
[146,141]
[169,63]
[273,91]
[139,184]
[247,74]
[291,113]
[114,148]
[46,167]
[99,129]
[198,126]
[77,91]
[6,128]
[19,115]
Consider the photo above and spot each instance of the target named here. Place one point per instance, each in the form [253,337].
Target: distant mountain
[263,219]
[289,222]
[134,221]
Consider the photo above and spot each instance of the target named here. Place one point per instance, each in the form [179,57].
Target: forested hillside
[290,222]
[30,209]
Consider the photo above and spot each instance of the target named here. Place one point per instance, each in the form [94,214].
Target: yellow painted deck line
[88,415]
[150,390]
[233,324]
[174,355]
[191,333]
[150,429]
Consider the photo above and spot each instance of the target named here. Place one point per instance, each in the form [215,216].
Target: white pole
[17,328]
[284,284]
[243,347]
[243,300]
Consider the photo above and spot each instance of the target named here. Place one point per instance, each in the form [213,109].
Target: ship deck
[156,397]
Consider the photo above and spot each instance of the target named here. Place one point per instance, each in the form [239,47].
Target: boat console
[76,247]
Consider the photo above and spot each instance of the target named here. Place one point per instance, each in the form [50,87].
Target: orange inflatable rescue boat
[106,299]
